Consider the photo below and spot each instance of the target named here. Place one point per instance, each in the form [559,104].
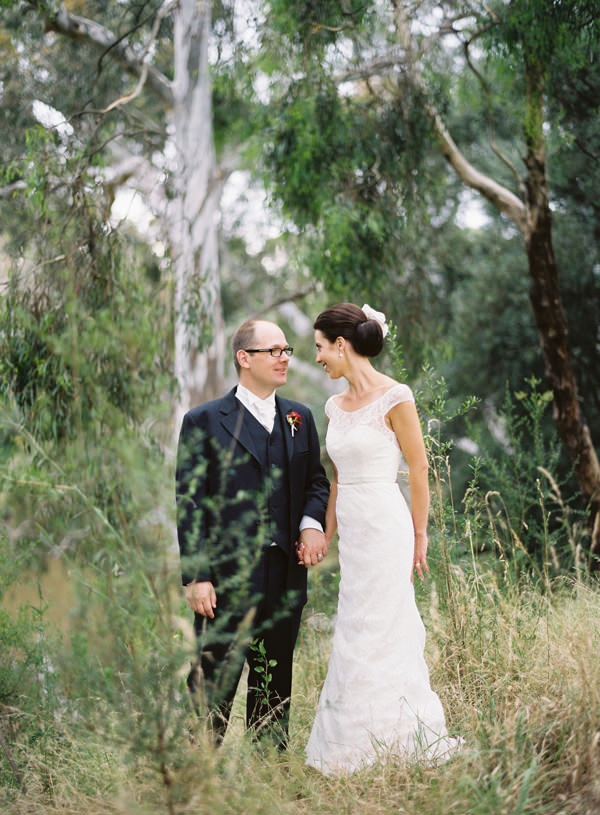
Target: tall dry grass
[518,673]
[514,653]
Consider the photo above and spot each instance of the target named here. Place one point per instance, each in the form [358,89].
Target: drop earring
[340,355]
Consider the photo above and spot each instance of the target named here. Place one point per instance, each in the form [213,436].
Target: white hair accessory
[378,316]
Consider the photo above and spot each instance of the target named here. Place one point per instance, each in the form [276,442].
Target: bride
[376,699]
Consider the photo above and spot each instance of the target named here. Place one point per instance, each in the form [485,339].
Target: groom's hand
[201,598]
[312,547]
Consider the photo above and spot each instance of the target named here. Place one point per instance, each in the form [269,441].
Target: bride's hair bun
[349,321]
[368,338]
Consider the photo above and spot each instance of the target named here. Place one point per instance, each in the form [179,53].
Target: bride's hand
[420,557]
[311,547]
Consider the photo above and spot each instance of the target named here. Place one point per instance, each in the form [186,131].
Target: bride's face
[328,355]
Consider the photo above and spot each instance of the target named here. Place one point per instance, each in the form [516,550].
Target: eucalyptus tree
[367,104]
[137,73]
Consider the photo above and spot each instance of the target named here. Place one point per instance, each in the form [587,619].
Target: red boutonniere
[294,420]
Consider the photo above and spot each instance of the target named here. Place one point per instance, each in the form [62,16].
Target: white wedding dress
[376,699]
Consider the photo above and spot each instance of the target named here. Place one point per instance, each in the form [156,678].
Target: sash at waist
[362,481]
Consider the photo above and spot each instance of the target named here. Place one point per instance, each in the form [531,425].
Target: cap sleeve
[328,405]
[396,395]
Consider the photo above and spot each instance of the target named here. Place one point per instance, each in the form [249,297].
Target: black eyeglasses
[275,352]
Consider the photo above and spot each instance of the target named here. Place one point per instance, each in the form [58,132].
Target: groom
[249,486]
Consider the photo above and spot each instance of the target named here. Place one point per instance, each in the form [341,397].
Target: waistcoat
[273,456]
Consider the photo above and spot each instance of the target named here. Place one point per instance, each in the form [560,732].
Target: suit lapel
[282,409]
[239,423]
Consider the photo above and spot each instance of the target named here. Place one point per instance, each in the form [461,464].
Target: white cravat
[264,411]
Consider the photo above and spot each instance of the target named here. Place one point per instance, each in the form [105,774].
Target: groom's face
[261,372]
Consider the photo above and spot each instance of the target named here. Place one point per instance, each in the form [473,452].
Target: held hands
[201,598]
[311,547]
[420,557]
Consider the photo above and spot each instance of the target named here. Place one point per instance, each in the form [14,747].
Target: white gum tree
[185,198]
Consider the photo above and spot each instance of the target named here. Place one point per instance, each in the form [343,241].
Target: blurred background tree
[360,155]
[125,90]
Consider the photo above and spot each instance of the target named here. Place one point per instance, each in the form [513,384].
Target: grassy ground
[519,676]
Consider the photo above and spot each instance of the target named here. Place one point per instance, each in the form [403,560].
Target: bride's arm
[330,516]
[407,427]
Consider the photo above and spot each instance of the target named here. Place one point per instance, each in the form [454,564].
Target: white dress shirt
[264,411]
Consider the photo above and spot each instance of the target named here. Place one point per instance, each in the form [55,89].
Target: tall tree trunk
[549,314]
[189,221]
[199,329]
[533,217]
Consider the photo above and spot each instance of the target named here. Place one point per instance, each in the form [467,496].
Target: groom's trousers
[265,634]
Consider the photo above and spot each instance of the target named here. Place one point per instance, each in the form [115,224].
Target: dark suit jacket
[222,485]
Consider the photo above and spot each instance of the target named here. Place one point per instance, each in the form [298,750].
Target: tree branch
[142,176]
[448,24]
[139,23]
[498,195]
[374,68]
[487,91]
[289,298]
[502,198]
[10,189]
[82,29]
[166,7]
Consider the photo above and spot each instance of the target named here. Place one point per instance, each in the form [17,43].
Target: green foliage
[62,373]
[97,501]
[395,353]
[519,491]
[98,722]
[342,170]
[39,80]
[513,505]
[490,327]
[315,24]
[28,698]
[263,669]
[546,32]
[232,107]
[77,321]
[23,658]
[308,134]
[127,653]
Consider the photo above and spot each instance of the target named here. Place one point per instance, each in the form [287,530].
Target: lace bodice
[360,444]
